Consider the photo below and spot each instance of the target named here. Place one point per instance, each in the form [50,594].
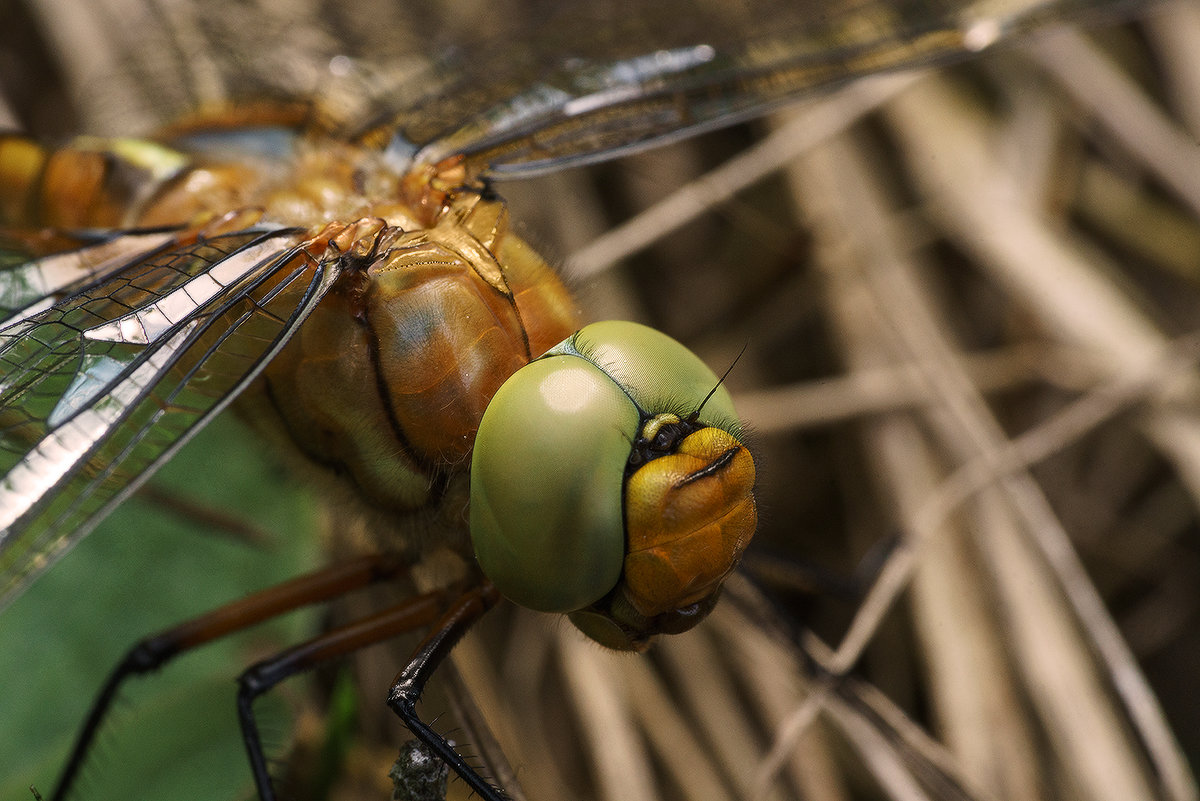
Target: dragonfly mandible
[276,258]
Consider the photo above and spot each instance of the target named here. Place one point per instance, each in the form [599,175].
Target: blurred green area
[173,734]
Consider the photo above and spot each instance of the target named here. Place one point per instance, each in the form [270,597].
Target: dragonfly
[228,294]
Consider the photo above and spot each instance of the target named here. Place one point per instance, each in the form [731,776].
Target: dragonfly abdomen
[92,183]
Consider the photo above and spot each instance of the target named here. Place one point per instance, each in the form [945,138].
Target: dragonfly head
[604,486]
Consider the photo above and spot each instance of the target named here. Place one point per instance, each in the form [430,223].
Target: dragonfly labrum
[353,289]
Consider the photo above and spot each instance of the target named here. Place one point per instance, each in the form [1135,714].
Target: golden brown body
[437,305]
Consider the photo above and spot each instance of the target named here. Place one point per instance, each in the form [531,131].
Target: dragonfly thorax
[385,384]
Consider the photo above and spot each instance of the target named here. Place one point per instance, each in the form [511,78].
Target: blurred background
[968,302]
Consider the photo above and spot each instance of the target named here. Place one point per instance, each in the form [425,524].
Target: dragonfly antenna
[720,381]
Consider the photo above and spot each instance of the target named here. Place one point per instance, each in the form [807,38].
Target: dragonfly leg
[410,682]
[153,652]
[413,613]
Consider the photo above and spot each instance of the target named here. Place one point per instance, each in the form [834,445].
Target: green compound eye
[657,372]
[546,483]
[548,470]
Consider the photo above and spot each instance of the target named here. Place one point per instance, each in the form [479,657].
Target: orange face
[689,515]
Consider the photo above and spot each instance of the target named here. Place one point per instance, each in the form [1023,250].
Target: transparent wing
[594,81]
[520,88]
[102,387]
[29,284]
